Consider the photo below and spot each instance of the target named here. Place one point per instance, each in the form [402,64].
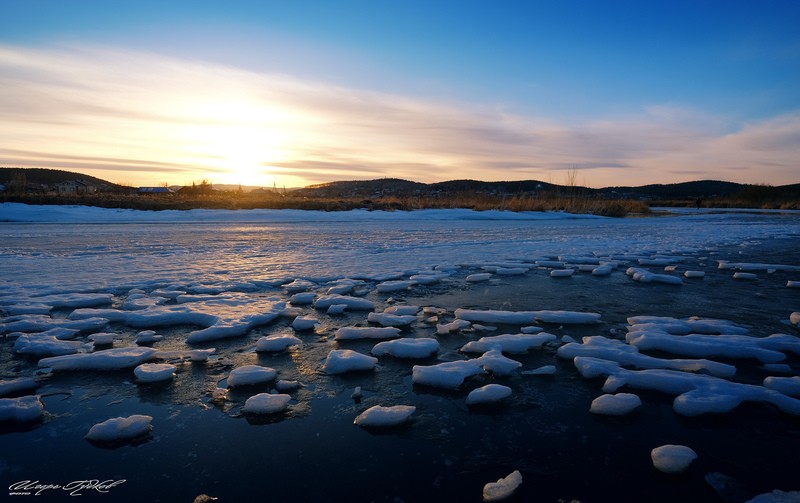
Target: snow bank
[340,361]
[23,409]
[615,405]
[154,372]
[379,416]
[672,458]
[108,359]
[503,488]
[120,428]
[248,375]
[491,393]
[266,403]
[407,348]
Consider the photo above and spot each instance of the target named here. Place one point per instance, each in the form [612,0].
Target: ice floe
[352,303]
[277,342]
[340,361]
[22,409]
[672,458]
[452,374]
[352,333]
[407,348]
[503,488]
[527,317]
[304,323]
[107,359]
[379,416]
[645,276]
[266,403]
[39,345]
[786,385]
[13,386]
[120,428]
[615,405]
[627,355]
[697,394]
[391,319]
[248,375]
[154,372]
[508,343]
[491,393]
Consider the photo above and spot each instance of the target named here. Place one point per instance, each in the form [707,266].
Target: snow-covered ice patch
[340,361]
[407,348]
[248,375]
[503,488]
[108,359]
[491,393]
[266,403]
[672,458]
[276,342]
[380,416]
[353,333]
[154,372]
[615,405]
[22,410]
[120,429]
[508,343]
[392,320]
[527,317]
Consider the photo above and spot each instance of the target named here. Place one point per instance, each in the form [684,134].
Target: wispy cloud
[148,118]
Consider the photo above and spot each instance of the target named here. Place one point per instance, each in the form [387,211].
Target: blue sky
[292,93]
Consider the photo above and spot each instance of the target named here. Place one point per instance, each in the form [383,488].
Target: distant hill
[42,176]
[371,189]
[701,189]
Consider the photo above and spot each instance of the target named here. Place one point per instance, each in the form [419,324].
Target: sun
[236,143]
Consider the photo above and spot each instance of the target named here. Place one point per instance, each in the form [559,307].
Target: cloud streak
[148,118]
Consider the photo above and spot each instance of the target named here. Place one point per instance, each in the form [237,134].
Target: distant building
[74,187]
[155,191]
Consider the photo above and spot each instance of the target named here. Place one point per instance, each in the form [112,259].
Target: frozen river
[226,280]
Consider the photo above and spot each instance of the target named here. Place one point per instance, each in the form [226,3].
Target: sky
[293,93]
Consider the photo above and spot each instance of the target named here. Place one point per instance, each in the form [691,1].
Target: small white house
[73,187]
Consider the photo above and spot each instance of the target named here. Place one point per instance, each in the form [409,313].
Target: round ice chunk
[615,405]
[265,403]
[503,488]
[672,458]
[378,415]
[251,374]
[277,342]
[120,428]
[153,372]
[490,393]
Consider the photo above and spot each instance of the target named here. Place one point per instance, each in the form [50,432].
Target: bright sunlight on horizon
[277,95]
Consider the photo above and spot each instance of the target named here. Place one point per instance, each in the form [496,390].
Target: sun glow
[236,141]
